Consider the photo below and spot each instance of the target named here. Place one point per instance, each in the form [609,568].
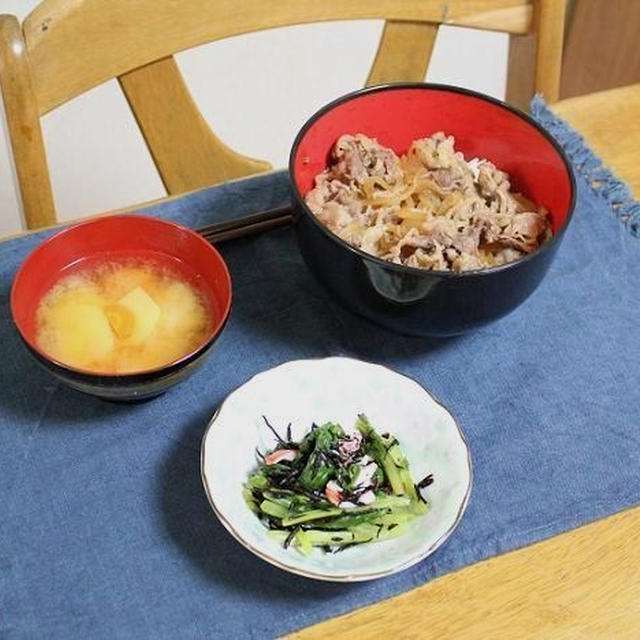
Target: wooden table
[610,123]
[580,585]
[584,584]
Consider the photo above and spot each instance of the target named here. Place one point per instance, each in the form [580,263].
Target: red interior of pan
[114,238]
[482,128]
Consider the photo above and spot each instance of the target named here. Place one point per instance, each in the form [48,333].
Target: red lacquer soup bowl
[419,301]
[112,239]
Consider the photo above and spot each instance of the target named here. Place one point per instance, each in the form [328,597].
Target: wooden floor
[581,585]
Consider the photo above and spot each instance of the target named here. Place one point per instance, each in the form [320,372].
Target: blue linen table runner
[105,531]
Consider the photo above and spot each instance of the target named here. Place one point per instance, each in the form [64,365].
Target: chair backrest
[66,47]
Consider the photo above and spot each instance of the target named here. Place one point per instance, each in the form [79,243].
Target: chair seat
[610,123]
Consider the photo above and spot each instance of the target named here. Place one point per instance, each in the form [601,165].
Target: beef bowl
[422,285]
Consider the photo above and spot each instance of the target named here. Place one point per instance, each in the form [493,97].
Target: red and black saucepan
[419,301]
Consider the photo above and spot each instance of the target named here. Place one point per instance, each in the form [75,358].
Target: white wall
[254,90]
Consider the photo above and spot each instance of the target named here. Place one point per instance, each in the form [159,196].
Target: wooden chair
[65,47]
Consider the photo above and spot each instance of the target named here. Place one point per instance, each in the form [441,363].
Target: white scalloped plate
[337,389]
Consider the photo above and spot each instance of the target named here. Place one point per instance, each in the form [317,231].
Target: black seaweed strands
[423,484]
[290,537]
[282,443]
[333,489]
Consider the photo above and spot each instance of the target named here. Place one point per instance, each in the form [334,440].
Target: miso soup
[122,316]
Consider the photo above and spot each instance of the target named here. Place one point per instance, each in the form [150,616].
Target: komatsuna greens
[334,489]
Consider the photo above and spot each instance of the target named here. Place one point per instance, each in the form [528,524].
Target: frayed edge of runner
[586,164]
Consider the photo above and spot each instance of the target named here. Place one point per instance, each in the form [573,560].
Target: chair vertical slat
[403,53]
[549,19]
[23,120]
[186,152]
[521,70]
